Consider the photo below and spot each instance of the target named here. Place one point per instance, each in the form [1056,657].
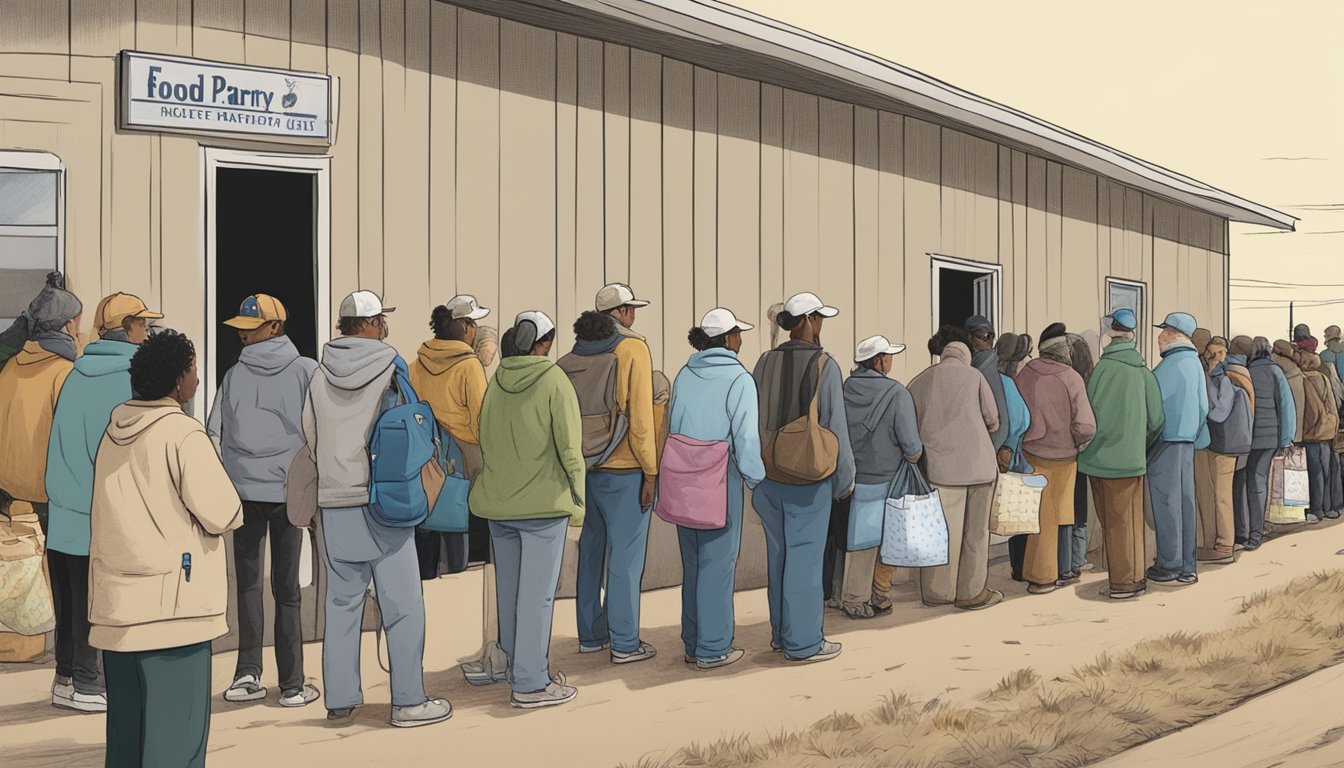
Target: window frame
[1140,333]
[39,161]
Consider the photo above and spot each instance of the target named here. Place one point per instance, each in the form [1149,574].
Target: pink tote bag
[693,483]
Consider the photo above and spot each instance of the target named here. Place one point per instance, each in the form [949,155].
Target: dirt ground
[624,714]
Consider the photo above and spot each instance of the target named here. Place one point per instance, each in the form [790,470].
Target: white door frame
[318,166]
[939,262]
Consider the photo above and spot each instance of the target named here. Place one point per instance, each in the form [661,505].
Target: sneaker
[1161,577]
[79,702]
[833,603]
[1313,518]
[491,669]
[690,659]
[299,697]
[552,695]
[881,605]
[1065,579]
[858,610]
[1187,579]
[593,647]
[826,652]
[424,713]
[1085,567]
[1333,514]
[1041,589]
[245,688]
[62,693]
[342,713]
[732,657]
[1250,546]
[1127,594]
[995,597]
[1227,559]
[643,653]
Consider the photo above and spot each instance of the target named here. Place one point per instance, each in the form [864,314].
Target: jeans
[1318,475]
[708,567]
[158,707]
[1078,546]
[613,542]
[1250,526]
[962,579]
[1017,553]
[1171,486]
[249,542]
[75,658]
[360,549]
[527,568]
[795,519]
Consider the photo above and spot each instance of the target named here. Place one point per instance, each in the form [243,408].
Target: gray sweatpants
[527,571]
[360,549]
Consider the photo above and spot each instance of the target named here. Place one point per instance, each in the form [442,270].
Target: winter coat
[1229,422]
[1185,395]
[257,417]
[769,376]
[1275,407]
[1127,403]
[883,428]
[955,408]
[100,382]
[1333,355]
[1061,417]
[987,362]
[714,398]
[29,386]
[1284,354]
[1019,415]
[1322,420]
[161,500]
[532,439]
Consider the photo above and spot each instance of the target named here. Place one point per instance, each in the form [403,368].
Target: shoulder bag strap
[816,392]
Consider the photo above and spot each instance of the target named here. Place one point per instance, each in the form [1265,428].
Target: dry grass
[1100,709]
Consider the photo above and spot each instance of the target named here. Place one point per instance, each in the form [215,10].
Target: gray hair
[1262,347]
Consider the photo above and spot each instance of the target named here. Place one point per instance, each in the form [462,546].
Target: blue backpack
[403,441]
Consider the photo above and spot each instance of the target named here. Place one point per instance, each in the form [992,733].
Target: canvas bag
[914,530]
[301,489]
[401,445]
[802,451]
[604,425]
[693,483]
[446,487]
[25,598]
[1296,482]
[1017,504]
[866,511]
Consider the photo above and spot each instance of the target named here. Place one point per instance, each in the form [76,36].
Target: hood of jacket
[1235,361]
[588,348]
[712,362]
[267,358]
[1336,346]
[518,374]
[352,363]
[868,394]
[104,357]
[956,351]
[1308,361]
[437,356]
[130,420]
[34,354]
[1044,366]
[1124,351]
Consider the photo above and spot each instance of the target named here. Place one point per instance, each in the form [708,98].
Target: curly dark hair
[594,326]
[788,322]
[446,328]
[350,326]
[701,341]
[946,335]
[159,364]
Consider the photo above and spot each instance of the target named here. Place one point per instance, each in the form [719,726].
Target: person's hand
[1287,451]
[646,491]
[1005,458]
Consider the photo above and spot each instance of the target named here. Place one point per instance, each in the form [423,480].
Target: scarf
[1058,349]
[57,342]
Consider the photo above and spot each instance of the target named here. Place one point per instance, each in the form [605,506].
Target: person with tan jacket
[158,578]
[1320,423]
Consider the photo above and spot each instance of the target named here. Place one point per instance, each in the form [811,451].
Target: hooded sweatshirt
[1185,395]
[1322,420]
[162,500]
[1333,355]
[637,451]
[987,362]
[532,439]
[450,377]
[1127,403]
[796,362]
[1061,417]
[883,427]
[1275,409]
[1284,353]
[29,386]
[714,398]
[955,409]
[257,417]
[344,400]
[1229,423]
[100,381]
[1240,374]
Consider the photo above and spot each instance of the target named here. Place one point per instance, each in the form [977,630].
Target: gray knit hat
[53,307]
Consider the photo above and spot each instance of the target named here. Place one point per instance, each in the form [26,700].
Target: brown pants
[1119,503]
[1213,498]
[962,580]
[1041,563]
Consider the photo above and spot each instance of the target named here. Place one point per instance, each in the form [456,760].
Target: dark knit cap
[1053,331]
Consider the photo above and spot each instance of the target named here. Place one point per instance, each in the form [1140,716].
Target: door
[982,289]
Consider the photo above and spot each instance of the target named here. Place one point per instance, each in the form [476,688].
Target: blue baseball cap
[1180,321]
[1124,319]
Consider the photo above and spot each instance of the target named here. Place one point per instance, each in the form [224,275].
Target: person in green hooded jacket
[532,484]
[1128,405]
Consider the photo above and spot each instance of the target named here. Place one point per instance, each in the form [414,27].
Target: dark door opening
[956,296]
[265,242]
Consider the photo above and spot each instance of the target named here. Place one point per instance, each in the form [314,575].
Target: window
[31,219]
[1127,294]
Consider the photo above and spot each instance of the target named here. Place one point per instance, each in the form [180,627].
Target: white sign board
[173,93]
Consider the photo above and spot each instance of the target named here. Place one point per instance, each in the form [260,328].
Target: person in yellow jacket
[158,577]
[620,490]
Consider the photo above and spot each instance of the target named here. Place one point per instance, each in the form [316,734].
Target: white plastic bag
[914,530]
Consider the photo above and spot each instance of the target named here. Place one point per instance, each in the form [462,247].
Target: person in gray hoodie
[353,387]
[256,424]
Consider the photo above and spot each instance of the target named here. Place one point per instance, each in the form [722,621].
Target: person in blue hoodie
[256,423]
[1171,460]
[714,399]
[100,381]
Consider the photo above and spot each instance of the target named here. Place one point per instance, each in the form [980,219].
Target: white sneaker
[826,652]
[62,694]
[245,688]
[594,648]
[554,694]
[425,713]
[299,697]
[643,653]
[491,669]
[79,702]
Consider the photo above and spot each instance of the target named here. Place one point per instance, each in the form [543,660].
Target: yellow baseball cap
[256,311]
[119,306]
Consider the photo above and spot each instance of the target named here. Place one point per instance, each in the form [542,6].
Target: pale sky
[1246,96]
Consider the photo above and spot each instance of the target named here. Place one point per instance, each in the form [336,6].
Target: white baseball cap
[804,304]
[615,296]
[464,306]
[539,319]
[876,345]
[720,321]
[364,304]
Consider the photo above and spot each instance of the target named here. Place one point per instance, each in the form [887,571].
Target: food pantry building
[527,152]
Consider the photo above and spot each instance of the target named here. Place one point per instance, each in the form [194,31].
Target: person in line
[1062,424]
[884,432]
[1285,357]
[1017,544]
[352,388]
[30,385]
[1318,433]
[1228,442]
[1239,352]
[1334,505]
[794,513]
[955,408]
[531,488]
[1171,462]
[1127,403]
[1273,432]
[620,490]
[1074,539]
[1302,338]
[162,502]
[257,423]
[1014,349]
[985,358]
[714,399]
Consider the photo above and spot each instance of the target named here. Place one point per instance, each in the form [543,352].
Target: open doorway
[962,288]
